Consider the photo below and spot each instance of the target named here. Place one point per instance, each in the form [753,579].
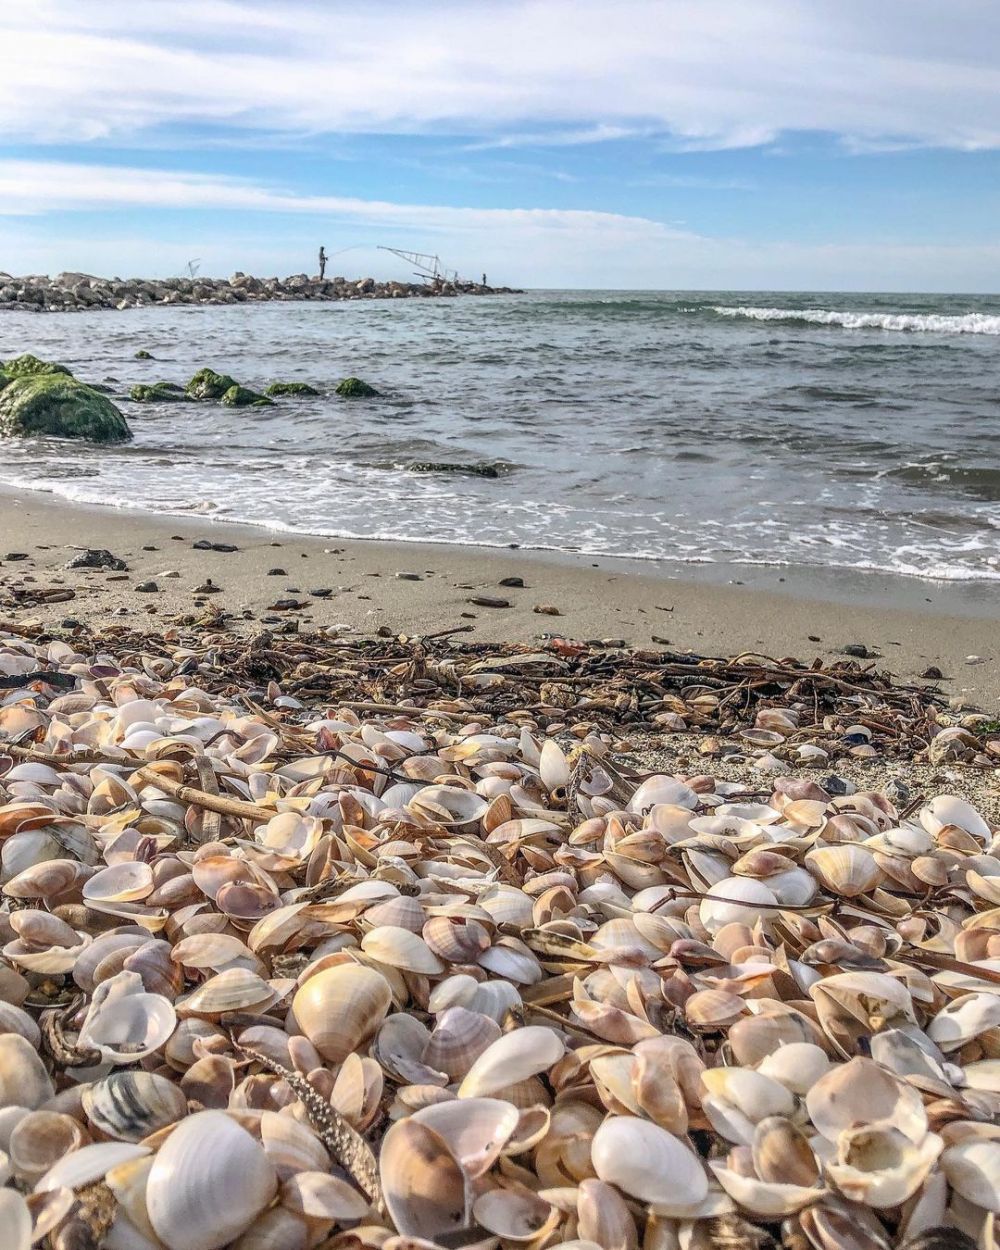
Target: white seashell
[879,1166]
[797,1065]
[89,1164]
[734,900]
[340,1008]
[947,809]
[646,1162]
[15,1220]
[656,790]
[423,1184]
[512,1058]
[739,1098]
[209,1181]
[553,767]
[515,1214]
[475,1130]
[859,1092]
[128,1106]
[964,1019]
[399,948]
[124,1022]
[973,1170]
[24,1081]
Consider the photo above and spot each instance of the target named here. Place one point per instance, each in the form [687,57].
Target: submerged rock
[243,397]
[60,405]
[436,466]
[28,366]
[207,384]
[354,388]
[290,388]
[165,392]
[142,354]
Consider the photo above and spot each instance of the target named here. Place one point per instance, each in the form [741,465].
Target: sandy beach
[909,627]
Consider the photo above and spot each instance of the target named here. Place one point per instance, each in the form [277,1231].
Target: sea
[832,431]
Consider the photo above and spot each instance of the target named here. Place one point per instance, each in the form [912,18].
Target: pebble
[322,592]
[546,609]
[409,577]
[147,588]
[276,572]
[203,544]
[516,583]
[95,558]
[489,601]
[170,573]
[208,587]
[17,555]
[858,650]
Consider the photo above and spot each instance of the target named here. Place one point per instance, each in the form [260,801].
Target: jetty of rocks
[72,292]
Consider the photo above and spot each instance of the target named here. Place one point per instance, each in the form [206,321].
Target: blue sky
[803,144]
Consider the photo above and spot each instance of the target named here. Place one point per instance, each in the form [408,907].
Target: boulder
[28,366]
[207,384]
[244,397]
[58,405]
[291,388]
[159,392]
[354,388]
[142,354]
[477,469]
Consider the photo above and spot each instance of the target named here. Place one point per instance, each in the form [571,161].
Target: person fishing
[322,261]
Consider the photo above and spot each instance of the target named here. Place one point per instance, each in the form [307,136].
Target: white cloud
[708,73]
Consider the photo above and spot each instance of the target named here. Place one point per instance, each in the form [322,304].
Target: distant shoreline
[81,292]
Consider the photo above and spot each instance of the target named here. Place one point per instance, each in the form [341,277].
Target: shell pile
[289,978]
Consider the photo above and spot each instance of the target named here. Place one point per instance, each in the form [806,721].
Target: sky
[664,144]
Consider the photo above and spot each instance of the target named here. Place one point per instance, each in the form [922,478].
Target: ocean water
[811,429]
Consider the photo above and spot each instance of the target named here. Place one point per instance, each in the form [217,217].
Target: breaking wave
[913,323]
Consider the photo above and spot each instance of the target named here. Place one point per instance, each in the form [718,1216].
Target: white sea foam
[914,323]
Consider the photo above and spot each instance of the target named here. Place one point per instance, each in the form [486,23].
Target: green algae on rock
[290,388]
[164,392]
[243,397]
[354,388]
[4,379]
[58,405]
[142,354]
[207,384]
[28,366]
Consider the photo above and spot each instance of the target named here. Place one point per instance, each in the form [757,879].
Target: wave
[913,323]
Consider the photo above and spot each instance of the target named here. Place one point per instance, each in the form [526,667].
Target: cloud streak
[706,73]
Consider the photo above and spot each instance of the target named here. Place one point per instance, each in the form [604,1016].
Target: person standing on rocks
[322,262]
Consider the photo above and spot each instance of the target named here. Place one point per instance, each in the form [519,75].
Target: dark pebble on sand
[202,544]
[147,588]
[515,583]
[837,785]
[409,577]
[858,650]
[150,547]
[932,674]
[814,638]
[489,601]
[322,592]
[96,558]
[16,555]
[208,587]
[898,793]
[276,573]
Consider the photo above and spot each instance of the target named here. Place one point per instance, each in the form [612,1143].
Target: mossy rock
[244,397]
[4,379]
[142,354]
[159,392]
[290,388]
[207,384]
[28,366]
[354,388]
[58,405]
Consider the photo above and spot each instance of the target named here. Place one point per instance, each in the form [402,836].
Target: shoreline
[908,628]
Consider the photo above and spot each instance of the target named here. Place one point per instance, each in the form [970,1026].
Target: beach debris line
[277,969]
[72,292]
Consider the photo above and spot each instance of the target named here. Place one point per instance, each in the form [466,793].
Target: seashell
[646,1162]
[292,1147]
[964,1019]
[208,1156]
[475,1130]
[603,1216]
[879,1166]
[735,900]
[446,805]
[713,1010]
[781,1154]
[401,911]
[88,1164]
[423,1185]
[236,989]
[340,1008]
[859,1092]
[276,1229]
[128,1106]
[128,882]
[357,1092]
[797,1065]
[973,1170]
[845,869]
[15,1220]
[739,1098]
[458,1039]
[399,948]
[319,1197]
[851,1006]
[124,1023]
[24,1081]
[455,940]
[512,1058]
[14,1020]
[40,1140]
[515,1214]
[947,809]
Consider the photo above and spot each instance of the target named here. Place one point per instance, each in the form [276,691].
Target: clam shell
[340,1008]
[208,1183]
[646,1162]
[475,1130]
[15,1220]
[129,1106]
[24,1081]
[400,948]
[423,1184]
[973,1170]
[458,1039]
[91,1163]
[512,1058]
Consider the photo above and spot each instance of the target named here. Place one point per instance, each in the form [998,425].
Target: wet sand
[909,626]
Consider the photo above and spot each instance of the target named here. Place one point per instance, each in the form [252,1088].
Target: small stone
[17,555]
[546,609]
[837,785]
[203,544]
[932,673]
[515,583]
[150,547]
[322,592]
[409,577]
[208,587]
[170,573]
[898,793]
[96,558]
[489,601]
[147,588]
[276,573]
[857,649]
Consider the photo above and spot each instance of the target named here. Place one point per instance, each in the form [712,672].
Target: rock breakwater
[73,292]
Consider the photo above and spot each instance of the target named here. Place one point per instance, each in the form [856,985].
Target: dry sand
[910,626]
